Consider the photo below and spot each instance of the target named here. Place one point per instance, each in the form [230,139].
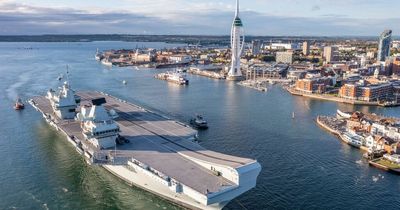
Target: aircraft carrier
[159,154]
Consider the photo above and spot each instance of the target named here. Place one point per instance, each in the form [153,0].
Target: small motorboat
[124,82]
[199,122]
[19,105]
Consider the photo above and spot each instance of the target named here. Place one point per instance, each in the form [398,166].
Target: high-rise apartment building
[384,45]
[306,48]
[330,54]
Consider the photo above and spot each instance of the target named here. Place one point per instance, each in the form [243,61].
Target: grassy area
[388,164]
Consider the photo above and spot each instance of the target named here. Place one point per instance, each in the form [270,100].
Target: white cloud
[180,17]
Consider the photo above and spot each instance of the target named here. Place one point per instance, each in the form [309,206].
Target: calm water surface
[303,166]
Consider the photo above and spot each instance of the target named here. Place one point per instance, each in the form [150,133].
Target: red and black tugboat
[19,105]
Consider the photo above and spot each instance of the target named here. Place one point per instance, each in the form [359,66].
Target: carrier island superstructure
[158,154]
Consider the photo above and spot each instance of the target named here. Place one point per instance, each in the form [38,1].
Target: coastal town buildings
[367,92]
[315,84]
[180,59]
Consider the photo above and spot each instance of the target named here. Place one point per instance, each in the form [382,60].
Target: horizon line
[194,35]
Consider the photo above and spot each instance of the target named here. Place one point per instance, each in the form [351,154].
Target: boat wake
[44,205]
[12,91]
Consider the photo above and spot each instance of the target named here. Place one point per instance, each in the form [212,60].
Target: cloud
[315,8]
[179,17]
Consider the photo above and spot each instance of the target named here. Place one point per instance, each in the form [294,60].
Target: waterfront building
[306,48]
[313,85]
[255,47]
[180,59]
[237,44]
[368,93]
[348,91]
[392,132]
[141,57]
[266,71]
[373,144]
[295,75]
[284,57]
[384,45]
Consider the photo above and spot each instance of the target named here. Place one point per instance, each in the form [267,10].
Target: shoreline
[374,162]
[337,133]
[337,99]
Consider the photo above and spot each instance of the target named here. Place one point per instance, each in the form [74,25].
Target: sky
[199,17]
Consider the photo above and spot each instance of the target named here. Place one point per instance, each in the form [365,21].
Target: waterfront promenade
[327,97]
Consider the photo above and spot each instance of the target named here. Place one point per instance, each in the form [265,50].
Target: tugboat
[199,122]
[19,105]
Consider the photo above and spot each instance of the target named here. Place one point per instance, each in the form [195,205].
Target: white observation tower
[237,43]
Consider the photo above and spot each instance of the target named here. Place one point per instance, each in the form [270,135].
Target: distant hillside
[189,39]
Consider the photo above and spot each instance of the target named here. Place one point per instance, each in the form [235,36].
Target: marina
[194,177]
